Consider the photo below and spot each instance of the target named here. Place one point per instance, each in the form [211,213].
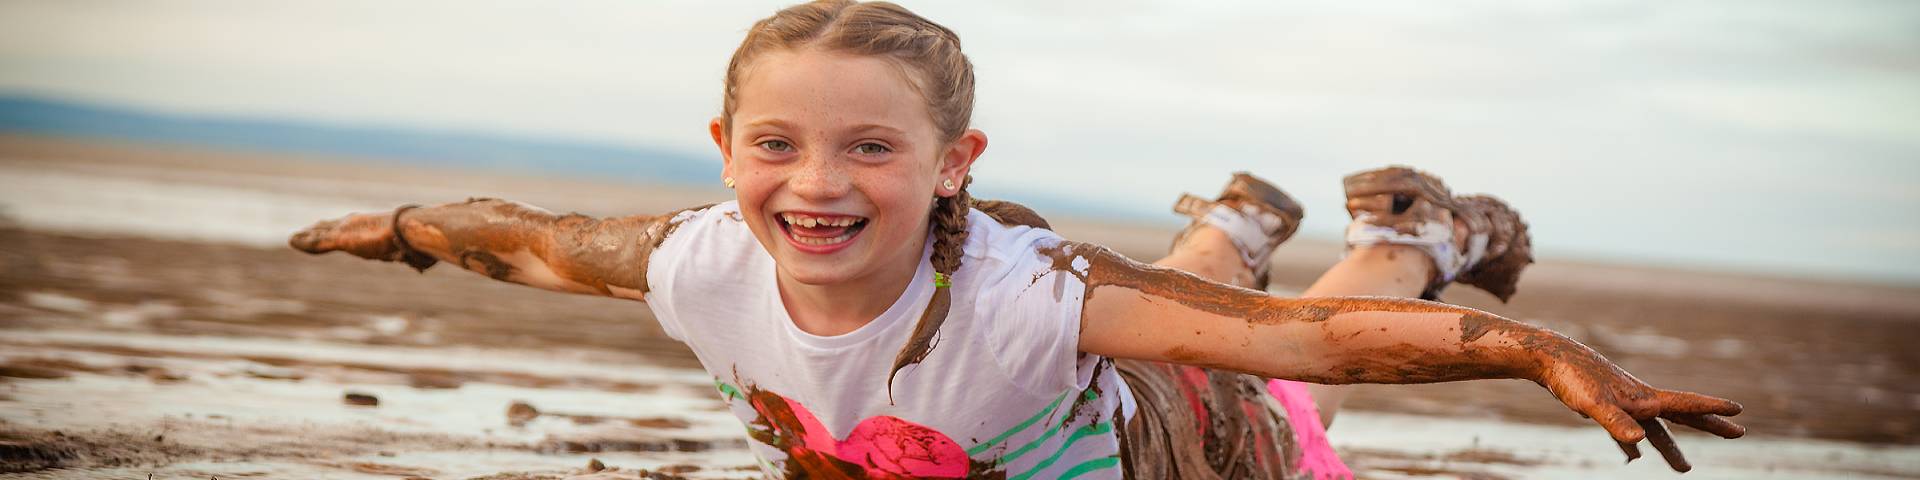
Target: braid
[948,223]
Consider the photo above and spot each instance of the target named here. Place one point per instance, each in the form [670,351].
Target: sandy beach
[153,323]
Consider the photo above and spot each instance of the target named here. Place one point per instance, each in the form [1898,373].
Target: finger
[1710,424]
[1622,426]
[1663,442]
[312,240]
[1632,451]
[1689,402]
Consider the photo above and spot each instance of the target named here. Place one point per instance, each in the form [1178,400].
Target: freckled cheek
[898,201]
[753,188]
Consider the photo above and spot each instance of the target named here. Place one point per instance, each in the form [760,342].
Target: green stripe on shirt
[983,446]
[1082,432]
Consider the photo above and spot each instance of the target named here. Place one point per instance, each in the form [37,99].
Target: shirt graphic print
[1004,393]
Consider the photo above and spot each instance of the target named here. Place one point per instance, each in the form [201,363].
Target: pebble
[361,399]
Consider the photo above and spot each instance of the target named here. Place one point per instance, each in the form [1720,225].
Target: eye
[871,149]
[777,145]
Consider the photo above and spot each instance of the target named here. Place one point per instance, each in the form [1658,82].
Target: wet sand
[154,323]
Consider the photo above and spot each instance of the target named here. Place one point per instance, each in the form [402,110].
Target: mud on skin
[1487,346]
[509,241]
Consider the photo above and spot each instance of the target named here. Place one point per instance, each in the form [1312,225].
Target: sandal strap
[1432,238]
[1251,228]
[1256,216]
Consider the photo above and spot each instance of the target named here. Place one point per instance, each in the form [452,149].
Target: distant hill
[37,115]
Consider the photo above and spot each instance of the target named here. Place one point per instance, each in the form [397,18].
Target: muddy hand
[1631,410]
[365,235]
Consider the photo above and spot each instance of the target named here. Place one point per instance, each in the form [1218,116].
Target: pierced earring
[727,181]
[948,184]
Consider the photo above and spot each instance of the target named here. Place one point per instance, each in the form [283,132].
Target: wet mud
[1193,422]
[58,281]
[507,241]
[172,327]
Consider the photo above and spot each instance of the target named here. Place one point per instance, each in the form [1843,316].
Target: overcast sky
[1776,135]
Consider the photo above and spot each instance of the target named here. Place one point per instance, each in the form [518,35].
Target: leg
[1378,270]
[1208,253]
[1411,237]
[1382,270]
[1201,423]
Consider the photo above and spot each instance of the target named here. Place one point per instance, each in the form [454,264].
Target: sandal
[1257,216]
[1402,206]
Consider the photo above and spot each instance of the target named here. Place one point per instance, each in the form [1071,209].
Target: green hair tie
[940,280]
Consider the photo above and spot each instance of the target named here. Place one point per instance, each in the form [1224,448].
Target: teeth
[822,241]
[812,221]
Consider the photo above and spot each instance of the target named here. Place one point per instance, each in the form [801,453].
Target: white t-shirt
[1005,389]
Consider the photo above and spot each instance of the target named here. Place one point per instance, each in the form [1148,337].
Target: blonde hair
[930,56]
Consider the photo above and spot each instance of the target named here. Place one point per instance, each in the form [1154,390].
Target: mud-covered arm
[503,240]
[1135,310]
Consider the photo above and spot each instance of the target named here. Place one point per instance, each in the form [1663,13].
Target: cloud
[1696,109]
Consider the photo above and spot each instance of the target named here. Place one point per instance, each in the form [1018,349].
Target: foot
[1257,216]
[1474,239]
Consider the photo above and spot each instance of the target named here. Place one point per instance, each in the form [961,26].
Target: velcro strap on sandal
[1433,238]
[1250,228]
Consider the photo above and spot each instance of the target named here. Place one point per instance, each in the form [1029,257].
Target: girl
[866,319]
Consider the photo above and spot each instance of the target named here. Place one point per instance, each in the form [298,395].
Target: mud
[520,413]
[1487,347]
[29,449]
[360,399]
[1824,368]
[571,252]
[1414,196]
[1105,267]
[783,428]
[1193,422]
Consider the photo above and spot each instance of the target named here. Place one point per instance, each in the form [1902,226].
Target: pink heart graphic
[884,446]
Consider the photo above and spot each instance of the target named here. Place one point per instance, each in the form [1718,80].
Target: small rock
[520,413]
[361,399]
[594,466]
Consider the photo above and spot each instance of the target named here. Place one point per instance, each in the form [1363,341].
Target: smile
[820,233]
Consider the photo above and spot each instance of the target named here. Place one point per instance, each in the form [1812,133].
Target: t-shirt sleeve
[663,268]
[1033,319]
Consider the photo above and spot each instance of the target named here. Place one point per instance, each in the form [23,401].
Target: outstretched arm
[1133,310]
[505,240]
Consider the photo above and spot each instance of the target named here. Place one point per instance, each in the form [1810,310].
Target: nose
[821,176]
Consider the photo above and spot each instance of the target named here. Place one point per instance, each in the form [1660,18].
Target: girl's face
[836,162]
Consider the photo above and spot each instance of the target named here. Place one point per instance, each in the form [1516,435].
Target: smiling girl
[866,319]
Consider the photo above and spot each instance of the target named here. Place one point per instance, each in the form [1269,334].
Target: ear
[719,131]
[957,160]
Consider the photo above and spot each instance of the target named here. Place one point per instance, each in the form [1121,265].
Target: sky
[1778,136]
